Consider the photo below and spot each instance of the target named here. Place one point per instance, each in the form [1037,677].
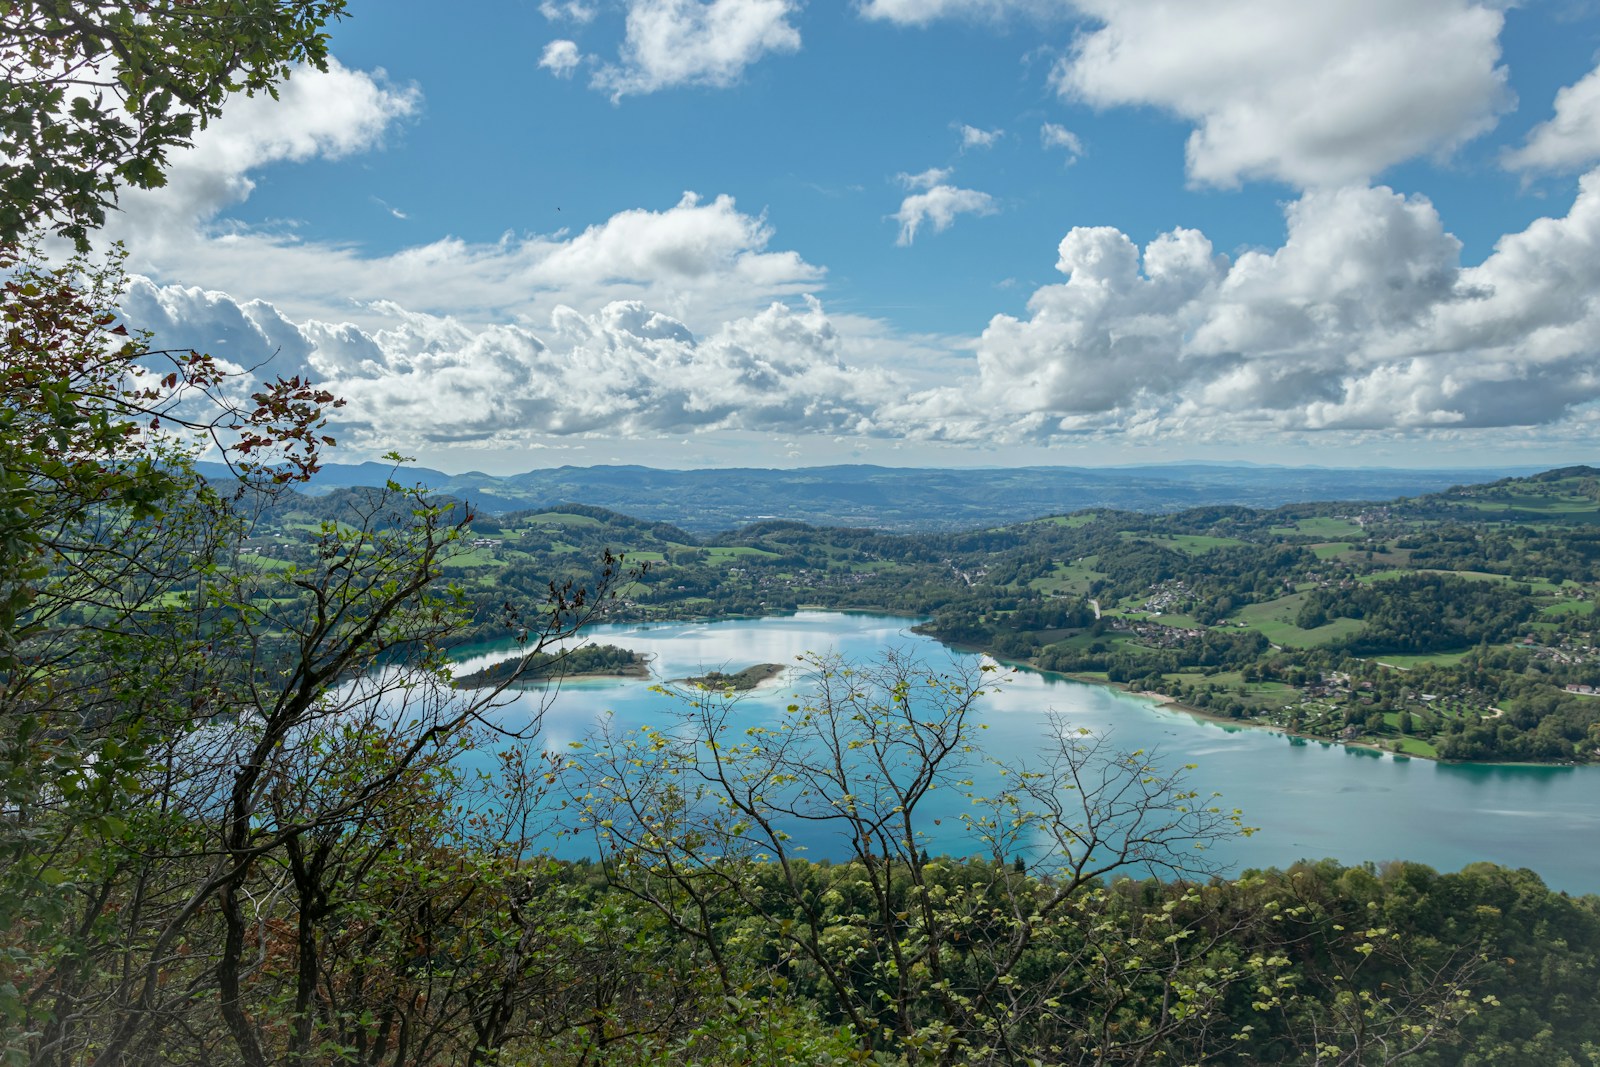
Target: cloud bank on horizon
[1367,325]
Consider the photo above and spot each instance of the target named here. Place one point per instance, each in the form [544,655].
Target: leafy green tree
[105,535]
[186,735]
[96,93]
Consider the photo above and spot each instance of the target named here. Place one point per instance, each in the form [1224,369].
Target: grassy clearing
[1084,639]
[473,558]
[1196,544]
[1540,586]
[1550,504]
[1435,659]
[734,552]
[314,526]
[1332,549]
[1073,579]
[1257,696]
[1537,586]
[1054,636]
[1192,544]
[1544,587]
[1275,621]
[257,562]
[1380,576]
[560,518]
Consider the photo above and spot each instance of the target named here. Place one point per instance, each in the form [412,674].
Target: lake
[1309,799]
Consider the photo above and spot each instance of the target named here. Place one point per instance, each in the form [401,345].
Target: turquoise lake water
[1309,799]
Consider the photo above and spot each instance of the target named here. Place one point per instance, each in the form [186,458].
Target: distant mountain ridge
[905,498]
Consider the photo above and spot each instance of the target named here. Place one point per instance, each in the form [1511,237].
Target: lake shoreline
[915,624]
[1167,700]
[1310,800]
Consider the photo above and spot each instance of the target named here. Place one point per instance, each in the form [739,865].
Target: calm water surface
[1309,799]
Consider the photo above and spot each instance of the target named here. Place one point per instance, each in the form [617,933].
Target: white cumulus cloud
[1363,321]
[1311,94]
[1569,140]
[706,261]
[1053,135]
[672,43]
[1314,94]
[687,315]
[974,137]
[561,58]
[623,370]
[938,205]
[319,114]
[566,11]
[926,179]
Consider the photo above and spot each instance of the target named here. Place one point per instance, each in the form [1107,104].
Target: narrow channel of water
[1308,799]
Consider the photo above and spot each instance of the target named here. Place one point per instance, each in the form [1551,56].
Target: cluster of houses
[1567,652]
[1156,635]
[1167,596]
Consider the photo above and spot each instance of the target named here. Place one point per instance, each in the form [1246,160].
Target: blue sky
[912,232]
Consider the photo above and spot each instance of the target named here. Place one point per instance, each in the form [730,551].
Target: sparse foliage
[957,962]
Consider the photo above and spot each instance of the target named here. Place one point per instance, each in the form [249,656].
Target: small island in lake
[748,678]
[585,660]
